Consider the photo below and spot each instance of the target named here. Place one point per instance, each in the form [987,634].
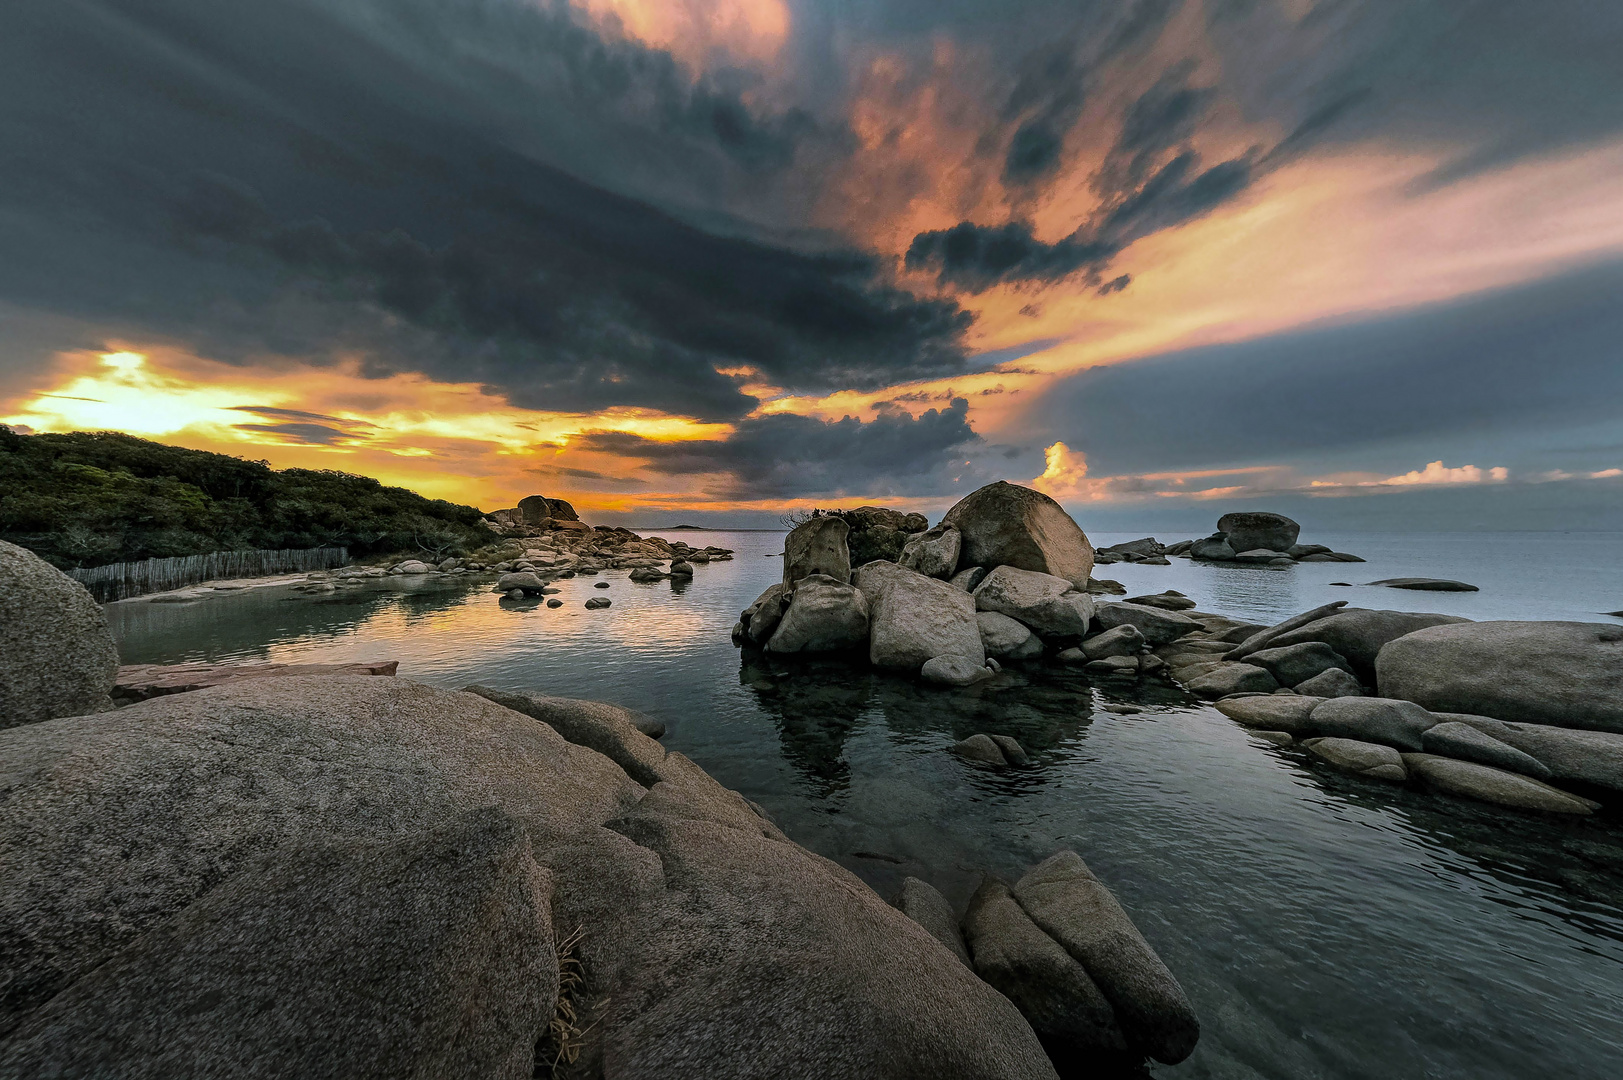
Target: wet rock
[1293,664]
[412,566]
[1211,549]
[1456,740]
[968,578]
[1168,601]
[1248,530]
[1124,640]
[933,553]
[1302,551]
[980,747]
[1289,714]
[1158,627]
[1111,666]
[1588,757]
[1064,899]
[681,568]
[1361,758]
[1013,752]
[1262,557]
[1277,738]
[954,670]
[760,619]
[825,615]
[1359,633]
[1052,990]
[1004,524]
[1333,682]
[1047,604]
[913,618]
[1006,638]
[1388,721]
[921,902]
[1568,674]
[555,603]
[1484,783]
[1106,587]
[817,546]
[1232,678]
[57,656]
[642,575]
[597,603]
[515,594]
[1425,584]
[1073,655]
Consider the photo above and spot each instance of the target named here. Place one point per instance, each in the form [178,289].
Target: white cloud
[1438,473]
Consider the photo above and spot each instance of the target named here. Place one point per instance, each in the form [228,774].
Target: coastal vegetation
[86,499]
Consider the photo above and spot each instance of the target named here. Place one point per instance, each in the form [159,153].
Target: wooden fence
[120,581]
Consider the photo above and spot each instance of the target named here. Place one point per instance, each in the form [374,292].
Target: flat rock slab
[1486,784]
[1456,740]
[1390,722]
[1290,714]
[1360,758]
[1425,584]
[137,682]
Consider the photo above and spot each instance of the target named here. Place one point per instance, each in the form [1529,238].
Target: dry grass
[564,1038]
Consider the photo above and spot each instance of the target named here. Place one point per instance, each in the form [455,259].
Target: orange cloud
[696,31]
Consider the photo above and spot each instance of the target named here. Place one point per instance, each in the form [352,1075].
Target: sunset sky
[1358,260]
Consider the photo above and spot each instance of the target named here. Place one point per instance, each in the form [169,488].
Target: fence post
[121,581]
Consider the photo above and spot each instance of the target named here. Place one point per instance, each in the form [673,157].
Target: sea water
[1323,925]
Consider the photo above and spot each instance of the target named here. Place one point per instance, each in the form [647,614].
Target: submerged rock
[1004,524]
[1487,784]
[1361,758]
[57,656]
[597,603]
[1568,674]
[1425,584]
[980,747]
[955,670]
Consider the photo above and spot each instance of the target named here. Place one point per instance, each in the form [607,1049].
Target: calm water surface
[1323,926]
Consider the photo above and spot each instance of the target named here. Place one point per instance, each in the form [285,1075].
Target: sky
[1360,261]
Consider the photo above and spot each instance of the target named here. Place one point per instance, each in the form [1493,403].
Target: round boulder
[1004,524]
[1255,529]
[57,656]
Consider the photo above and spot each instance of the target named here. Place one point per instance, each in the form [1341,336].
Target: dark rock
[1112,665]
[600,584]
[920,902]
[817,546]
[1360,758]
[1569,674]
[980,747]
[1469,780]
[1212,549]
[57,656]
[1426,584]
[1456,740]
[878,532]
[1145,547]
[1169,601]
[968,578]
[954,670]
[825,615]
[1063,898]
[1302,551]
[597,603]
[1106,587]
[681,568]
[761,618]
[1013,752]
[1004,524]
[555,603]
[1388,721]
[1292,664]
[1263,557]
[1248,530]
[533,510]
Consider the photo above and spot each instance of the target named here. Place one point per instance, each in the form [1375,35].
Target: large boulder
[825,615]
[1159,627]
[1358,634]
[878,532]
[1212,549]
[1073,907]
[1469,780]
[1289,713]
[1569,674]
[759,621]
[433,846]
[1050,605]
[1248,530]
[1387,721]
[533,510]
[57,656]
[1124,640]
[1004,524]
[913,618]
[933,553]
[816,546]
[1454,739]
[921,902]
[1232,678]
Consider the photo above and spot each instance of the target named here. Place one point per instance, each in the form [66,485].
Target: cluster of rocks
[1061,948]
[1004,576]
[531,570]
[1247,538]
[535,515]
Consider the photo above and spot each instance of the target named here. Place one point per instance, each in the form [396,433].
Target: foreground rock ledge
[362,877]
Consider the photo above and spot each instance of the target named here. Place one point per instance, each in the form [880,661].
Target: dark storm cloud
[1503,374]
[268,180]
[270,413]
[788,456]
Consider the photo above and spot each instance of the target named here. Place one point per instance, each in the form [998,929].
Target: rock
[878,532]
[1370,719]
[1073,655]
[1486,784]
[1288,714]
[414,566]
[817,546]
[1106,587]
[1168,601]
[979,747]
[1587,757]
[1333,682]
[57,656]
[422,938]
[1063,898]
[1047,604]
[1006,638]
[642,575]
[523,579]
[533,510]
[1261,557]
[1112,665]
[1052,990]
[1004,524]
[1425,584]
[597,603]
[1179,547]
[622,736]
[1359,633]
[760,619]
[1212,549]
[1150,664]
[600,584]
[1013,752]
[555,603]
[137,682]
[1302,551]
[968,578]
[1361,758]
[1293,664]
[825,615]
[681,568]
[954,670]
[920,902]
[1123,640]
[913,618]
[1263,639]
[1568,674]
[1232,678]
[514,594]
[1276,738]
[1247,530]
[933,553]
[1456,740]
[1158,627]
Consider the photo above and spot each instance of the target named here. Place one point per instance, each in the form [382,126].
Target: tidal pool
[1324,926]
